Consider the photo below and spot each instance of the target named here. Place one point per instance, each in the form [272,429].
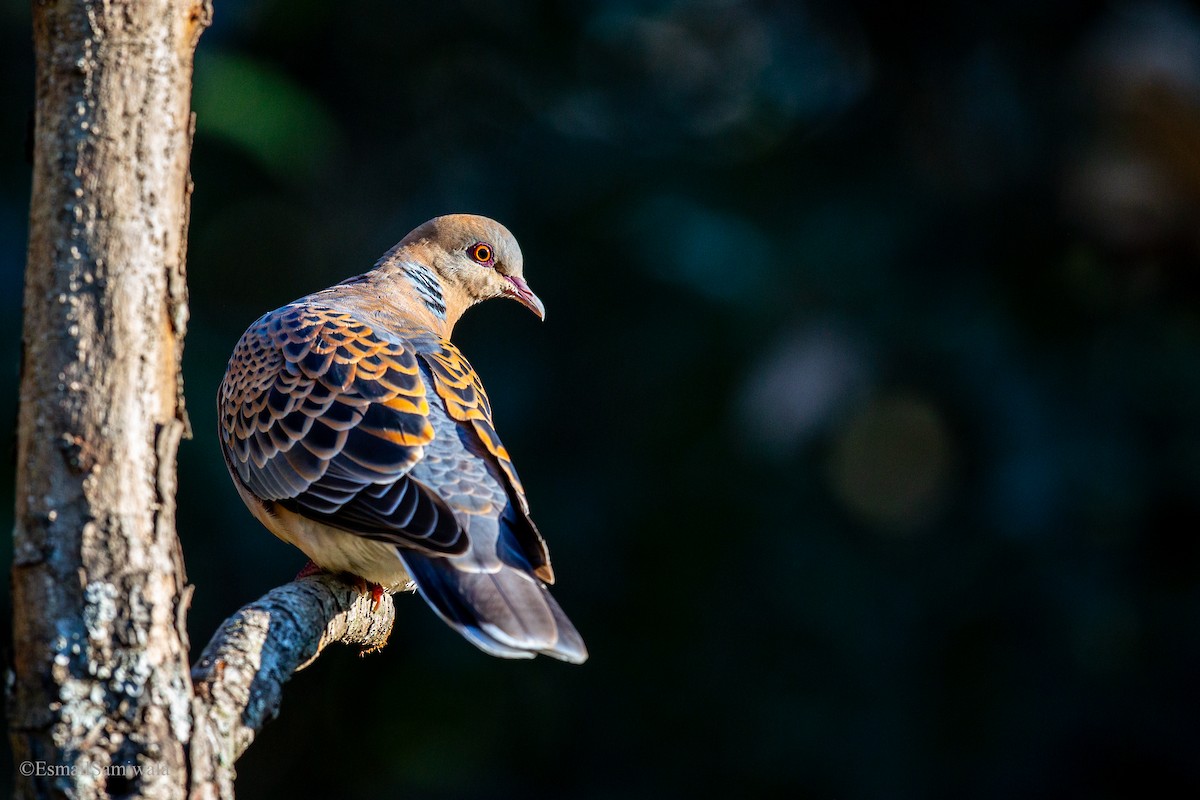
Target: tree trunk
[102,702]
[102,683]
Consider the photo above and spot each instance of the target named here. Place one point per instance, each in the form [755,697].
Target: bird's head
[474,257]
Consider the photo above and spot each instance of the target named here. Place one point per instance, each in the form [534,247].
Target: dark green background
[865,424]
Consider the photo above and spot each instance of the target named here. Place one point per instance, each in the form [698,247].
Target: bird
[354,429]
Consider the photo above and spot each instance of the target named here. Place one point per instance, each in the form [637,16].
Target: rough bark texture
[101,678]
[102,701]
[239,677]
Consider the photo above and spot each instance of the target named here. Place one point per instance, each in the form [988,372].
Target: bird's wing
[324,415]
[462,392]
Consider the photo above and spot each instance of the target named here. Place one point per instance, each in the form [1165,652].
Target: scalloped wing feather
[462,392]
[325,415]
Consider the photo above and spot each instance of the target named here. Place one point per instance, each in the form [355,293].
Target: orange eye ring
[482,252]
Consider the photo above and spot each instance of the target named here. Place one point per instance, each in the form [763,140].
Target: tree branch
[240,675]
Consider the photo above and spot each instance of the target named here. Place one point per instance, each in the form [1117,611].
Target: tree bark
[239,677]
[102,701]
[101,678]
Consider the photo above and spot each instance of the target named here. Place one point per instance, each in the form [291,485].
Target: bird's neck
[411,291]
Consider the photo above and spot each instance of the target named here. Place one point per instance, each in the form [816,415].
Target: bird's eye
[482,252]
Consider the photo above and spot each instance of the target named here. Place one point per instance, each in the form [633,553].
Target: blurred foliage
[255,108]
[865,427]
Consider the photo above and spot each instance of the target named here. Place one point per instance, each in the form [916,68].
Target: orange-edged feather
[320,413]
[459,386]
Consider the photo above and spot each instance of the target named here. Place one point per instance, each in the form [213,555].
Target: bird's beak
[519,290]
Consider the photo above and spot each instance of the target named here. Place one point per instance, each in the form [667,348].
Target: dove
[357,431]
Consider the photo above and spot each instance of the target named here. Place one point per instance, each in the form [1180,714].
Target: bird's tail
[506,613]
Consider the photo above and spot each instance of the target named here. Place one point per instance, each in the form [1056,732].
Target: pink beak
[521,292]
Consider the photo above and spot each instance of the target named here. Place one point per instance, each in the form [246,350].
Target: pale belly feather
[335,550]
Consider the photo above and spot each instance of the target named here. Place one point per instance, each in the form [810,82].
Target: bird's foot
[310,568]
[375,589]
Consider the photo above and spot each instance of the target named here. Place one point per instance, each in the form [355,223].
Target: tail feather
[506,613]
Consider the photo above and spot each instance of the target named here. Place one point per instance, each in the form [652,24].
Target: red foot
[375,589]
[310,568]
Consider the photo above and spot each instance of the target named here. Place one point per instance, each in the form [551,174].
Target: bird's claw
[375,589]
